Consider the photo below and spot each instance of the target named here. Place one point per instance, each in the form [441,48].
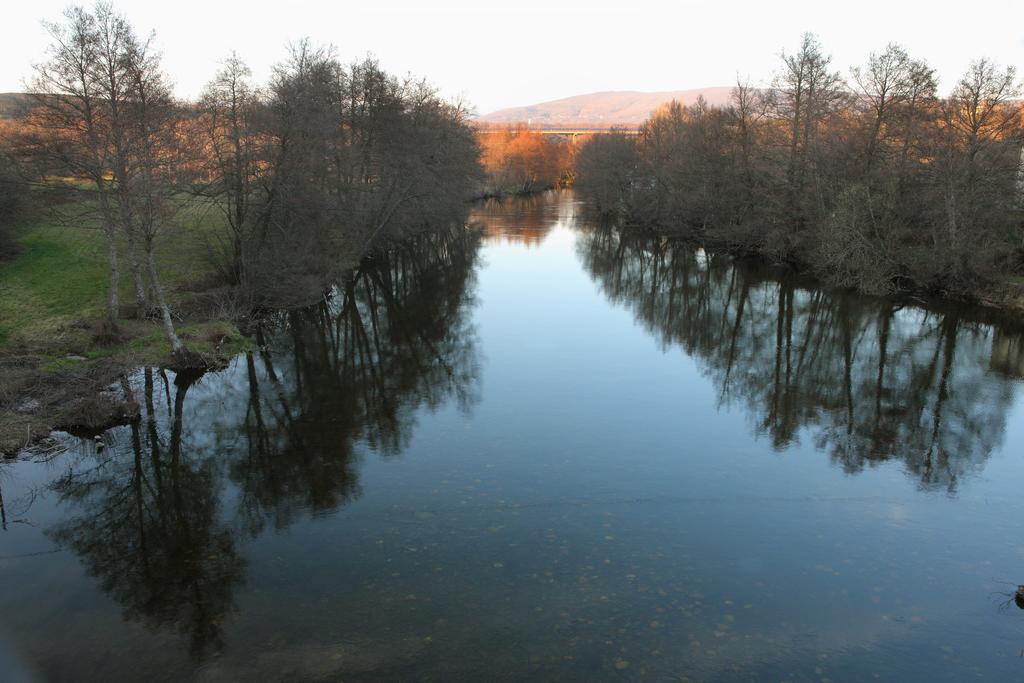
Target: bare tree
[882,85]
[106,115]
[115,42]
[73,126]
[152,141]
[977,165]
[749,109]
[808,92]
[229,105]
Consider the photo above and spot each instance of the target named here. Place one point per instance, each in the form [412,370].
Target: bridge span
[571,134]
[568,133]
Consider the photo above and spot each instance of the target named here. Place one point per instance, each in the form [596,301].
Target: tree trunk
[113,299]
[176,346]
[141,301]
[110,232]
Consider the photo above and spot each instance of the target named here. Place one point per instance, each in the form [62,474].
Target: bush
[854,248]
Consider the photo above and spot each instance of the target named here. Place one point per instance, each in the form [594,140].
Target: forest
[872,181]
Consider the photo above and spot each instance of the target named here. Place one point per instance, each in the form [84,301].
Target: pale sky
[505,54]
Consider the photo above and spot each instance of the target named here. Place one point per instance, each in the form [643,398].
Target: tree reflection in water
[151,530]
[396,338]
[525,220]
[867,379]
[277,434]
[160,516]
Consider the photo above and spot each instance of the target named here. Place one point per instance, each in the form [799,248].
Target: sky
[501,54]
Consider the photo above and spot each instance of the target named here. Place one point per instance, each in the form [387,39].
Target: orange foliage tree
[520,160]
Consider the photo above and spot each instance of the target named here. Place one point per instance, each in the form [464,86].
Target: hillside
[14,105]
[621,107]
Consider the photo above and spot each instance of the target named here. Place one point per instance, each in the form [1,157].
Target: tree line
[299,174]
[872,180]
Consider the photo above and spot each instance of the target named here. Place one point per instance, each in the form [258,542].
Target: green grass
[53,294]
[57,278]
[57,285]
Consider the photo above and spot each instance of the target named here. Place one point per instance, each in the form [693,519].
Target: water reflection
[284,440]
[524,220]
[866,379]
[149,528]
[597,517]
[355,368]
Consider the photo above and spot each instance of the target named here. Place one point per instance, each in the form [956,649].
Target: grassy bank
[52,296]
[998,301]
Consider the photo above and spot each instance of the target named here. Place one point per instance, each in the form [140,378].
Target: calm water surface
[542,451]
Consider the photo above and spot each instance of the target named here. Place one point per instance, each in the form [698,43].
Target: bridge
[570,134]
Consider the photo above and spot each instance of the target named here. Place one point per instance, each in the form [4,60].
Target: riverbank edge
[74,381]
[81,392]
[1000,304]
[500,194]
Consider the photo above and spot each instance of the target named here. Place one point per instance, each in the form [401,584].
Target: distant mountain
[619,107]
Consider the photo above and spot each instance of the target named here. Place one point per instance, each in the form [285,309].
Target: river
[540,450]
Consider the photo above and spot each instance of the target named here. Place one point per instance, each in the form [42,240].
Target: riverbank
[512,192]
[59,370]
[54,366]
[1001,301]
